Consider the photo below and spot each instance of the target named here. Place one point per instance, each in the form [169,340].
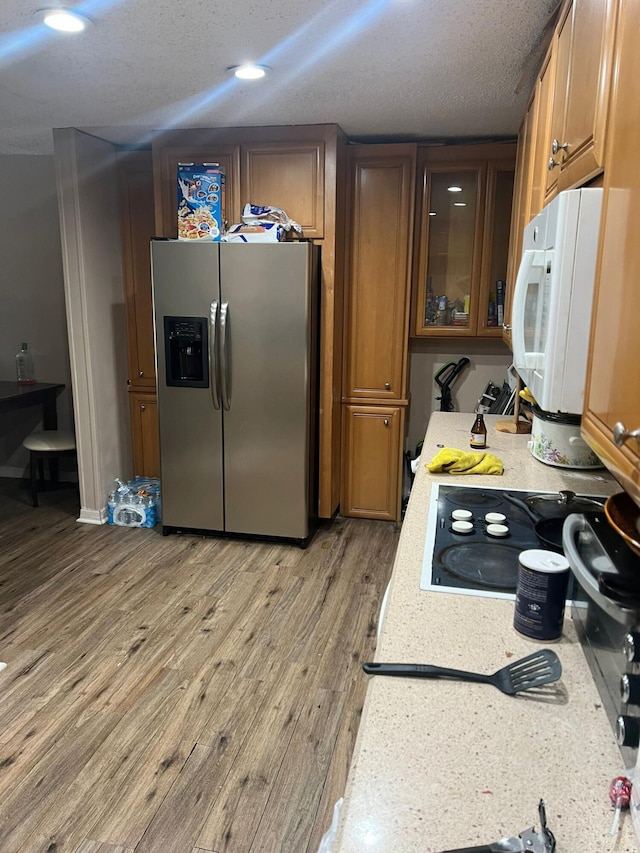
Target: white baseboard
[92,516]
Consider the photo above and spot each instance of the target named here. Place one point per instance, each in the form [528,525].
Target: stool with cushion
[48,444]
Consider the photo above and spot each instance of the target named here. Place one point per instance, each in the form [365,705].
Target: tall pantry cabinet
[380,202]
[135,174]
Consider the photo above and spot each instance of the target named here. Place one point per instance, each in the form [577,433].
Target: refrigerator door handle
[213,331]
[224,316]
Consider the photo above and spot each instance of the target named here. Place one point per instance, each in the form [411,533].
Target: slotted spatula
[539,668]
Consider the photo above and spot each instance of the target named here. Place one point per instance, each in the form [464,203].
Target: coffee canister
[541,592]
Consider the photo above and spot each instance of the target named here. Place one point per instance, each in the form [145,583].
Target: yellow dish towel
[455,461]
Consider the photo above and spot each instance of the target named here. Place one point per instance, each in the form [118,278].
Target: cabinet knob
[621,434]
[551,164]
[557,146]
[141,373]
[631,646]
[506,327]
[630,688]
[387,386]
[386,422]
[142,407]
[627,731]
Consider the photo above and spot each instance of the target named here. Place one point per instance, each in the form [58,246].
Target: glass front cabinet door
[463,239]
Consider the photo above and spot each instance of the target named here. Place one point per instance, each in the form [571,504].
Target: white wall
[489,361]
[92,259]
[32,305]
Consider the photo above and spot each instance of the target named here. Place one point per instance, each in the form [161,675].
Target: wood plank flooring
[178,694]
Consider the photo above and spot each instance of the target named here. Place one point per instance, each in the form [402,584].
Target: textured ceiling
[383,68]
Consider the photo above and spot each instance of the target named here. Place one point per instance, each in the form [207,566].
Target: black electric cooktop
[476,562]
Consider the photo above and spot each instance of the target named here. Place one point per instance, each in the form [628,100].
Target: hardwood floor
[178,694]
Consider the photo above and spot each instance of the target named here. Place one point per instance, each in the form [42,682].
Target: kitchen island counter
[445,764]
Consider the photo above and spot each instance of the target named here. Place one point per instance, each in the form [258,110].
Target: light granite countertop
[443,764]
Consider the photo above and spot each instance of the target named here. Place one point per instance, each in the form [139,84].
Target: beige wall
[32,306]
[489,362]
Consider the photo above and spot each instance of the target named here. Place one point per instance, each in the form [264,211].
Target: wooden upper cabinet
[381,198]
[543,179]
[551,123]
[137,222]
[613,378]
[466,195]
[165,166]
[526,164]
[562,138]
[495,246]
[583,75]
[288,176]
[519,209]
[450,249]
[531,174]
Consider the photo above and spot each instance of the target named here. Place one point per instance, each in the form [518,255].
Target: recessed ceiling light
[63,20]
[455,189]
[459,204]
[432,213]
[249,71]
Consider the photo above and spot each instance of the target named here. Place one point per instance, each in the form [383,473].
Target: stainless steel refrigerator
[235,332]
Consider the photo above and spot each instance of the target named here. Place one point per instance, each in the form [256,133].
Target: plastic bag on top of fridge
[262,214]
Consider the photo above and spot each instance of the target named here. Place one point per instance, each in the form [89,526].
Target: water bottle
[24,367]
[112,502]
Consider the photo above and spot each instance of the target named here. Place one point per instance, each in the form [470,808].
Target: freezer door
[186,294]
[268,298]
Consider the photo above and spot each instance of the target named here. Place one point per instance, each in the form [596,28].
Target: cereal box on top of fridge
[201,201]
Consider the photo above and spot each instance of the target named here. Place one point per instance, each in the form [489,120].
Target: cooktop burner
[488,564]
[476,556]
[471,498]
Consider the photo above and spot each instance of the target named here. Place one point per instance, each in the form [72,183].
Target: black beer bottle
[478,434]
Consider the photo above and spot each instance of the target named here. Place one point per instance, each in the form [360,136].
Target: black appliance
[477,562]
[607,619]
[445,378]
[186,352]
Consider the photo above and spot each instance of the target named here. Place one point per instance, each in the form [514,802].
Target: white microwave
[553,295]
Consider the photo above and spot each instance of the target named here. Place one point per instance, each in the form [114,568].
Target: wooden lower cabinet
[146,439]
[372,461]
